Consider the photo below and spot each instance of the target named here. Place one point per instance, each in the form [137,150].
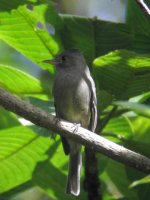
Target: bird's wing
[93,107]
[93,102]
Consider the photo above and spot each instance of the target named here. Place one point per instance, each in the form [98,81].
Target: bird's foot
[76,126]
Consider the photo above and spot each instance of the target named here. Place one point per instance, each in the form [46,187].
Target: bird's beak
[54,61]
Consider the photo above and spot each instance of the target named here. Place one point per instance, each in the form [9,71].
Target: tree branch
[79,134]
[144,7]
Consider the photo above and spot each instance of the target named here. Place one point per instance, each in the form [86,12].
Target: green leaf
[145,98]
[26,30]
[115,181]
[7,119]
[20,150]
[141,127]
[141,43]
[111,36]
[117,178]
[119,127]
[123,74]
[144,180]
[19,82]
[136,17]
[104,99]
[139,22]
[140,109]
[94,37]
[80,34]
[140,141]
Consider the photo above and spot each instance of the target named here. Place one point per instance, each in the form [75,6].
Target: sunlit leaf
[20,150]
[25,29]
[145,180]
[19,82]
[123,74]
[141,109]
[141,126]
[119,127]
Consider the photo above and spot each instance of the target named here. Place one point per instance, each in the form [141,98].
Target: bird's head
[68,59]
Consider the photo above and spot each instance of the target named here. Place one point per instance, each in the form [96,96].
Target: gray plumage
[75,101]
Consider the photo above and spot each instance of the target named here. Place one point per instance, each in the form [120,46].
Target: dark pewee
[75,101]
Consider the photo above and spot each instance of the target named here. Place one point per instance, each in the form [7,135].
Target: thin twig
[144,7]
[79,134]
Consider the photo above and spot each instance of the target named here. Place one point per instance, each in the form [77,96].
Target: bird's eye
[63,58]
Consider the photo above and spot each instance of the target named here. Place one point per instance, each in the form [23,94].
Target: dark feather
[93,107]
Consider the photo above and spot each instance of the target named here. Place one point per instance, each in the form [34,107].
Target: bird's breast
[72,98]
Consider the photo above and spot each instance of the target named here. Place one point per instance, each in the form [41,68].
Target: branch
[144,7]
[79,134]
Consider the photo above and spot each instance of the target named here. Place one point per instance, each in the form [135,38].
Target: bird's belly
[74,105]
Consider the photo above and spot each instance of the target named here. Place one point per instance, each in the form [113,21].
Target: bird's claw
[76,126]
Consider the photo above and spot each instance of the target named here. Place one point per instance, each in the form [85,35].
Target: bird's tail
[73,181]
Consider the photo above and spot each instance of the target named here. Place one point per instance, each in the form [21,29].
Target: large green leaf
[24,28]
[141,43]
[111,36]
[123,74]
[78,33]
[119,127]
[140,141]
[20,150]
[141,109]
[104,99]
[19,82]
[136,17]
[139,22]
[141,127]
[94,37]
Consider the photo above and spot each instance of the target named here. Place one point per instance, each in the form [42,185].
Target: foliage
[121,68]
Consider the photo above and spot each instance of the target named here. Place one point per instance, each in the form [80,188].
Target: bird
[75,100]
